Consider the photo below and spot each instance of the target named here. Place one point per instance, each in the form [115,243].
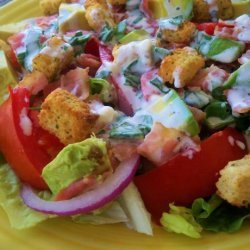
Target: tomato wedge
[26,153]
[181,180]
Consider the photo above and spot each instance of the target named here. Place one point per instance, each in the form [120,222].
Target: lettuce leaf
[217,215]
[20,216]
[181,220]
[112,213]
[132,203]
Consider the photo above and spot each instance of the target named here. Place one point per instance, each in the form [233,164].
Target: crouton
[180,67]
[89,3]
[50,7]
[65,116]
[98,15]
[201,10]
[234,183]
[5,48]
[54,57]
[34,82]
[182,35]
[117,2]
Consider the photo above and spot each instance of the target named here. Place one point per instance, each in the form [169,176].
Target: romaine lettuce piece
[132,203]
[20,216]
[110,214]
[180,220]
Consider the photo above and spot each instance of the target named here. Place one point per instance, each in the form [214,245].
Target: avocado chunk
[7,76]
[163,8]
[220,49]
[240,77]
[77,161]
[171,111]
[135,35]
[72,17]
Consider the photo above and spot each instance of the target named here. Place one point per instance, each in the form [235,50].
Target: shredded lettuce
[20,216]
[113,213]
[181,220]
[217,215]
[139,218]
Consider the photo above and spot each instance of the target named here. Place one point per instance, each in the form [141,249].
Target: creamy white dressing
[244,75]
[242,28]
[167,24]
[106,115]
[213,9]
[226,56]
[25,122]
[239,99]
[177,80]
[57,51]
[139,51]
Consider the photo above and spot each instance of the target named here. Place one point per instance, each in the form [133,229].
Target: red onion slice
[89,201]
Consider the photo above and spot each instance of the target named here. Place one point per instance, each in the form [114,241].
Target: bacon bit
[208,77]
[122,151]
[76,81]
[199,115]
[89,61]
[245,57]
[77,188]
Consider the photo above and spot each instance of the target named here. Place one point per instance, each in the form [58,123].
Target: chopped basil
[136,127]
[159,53]
[177,21]
[132,79]
[218,115]
[103,88]
[79,39]
[197,99]
[108,33]
[159,84]
[102,74]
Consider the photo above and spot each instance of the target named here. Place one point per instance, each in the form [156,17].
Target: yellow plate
[61,233]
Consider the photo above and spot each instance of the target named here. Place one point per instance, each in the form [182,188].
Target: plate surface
[61,233]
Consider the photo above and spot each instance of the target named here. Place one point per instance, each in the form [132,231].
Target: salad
[127,111]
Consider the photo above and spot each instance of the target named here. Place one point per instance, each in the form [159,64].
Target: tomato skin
[29,153]
[13,150]
[181,180]
[207,27]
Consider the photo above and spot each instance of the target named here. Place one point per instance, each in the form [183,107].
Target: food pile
[127,111]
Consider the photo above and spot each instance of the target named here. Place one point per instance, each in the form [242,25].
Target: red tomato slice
[181,180]
[207,27]
[26,153]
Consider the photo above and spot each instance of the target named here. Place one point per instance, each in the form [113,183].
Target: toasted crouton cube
[117,2]
[34,82]
[182,35]
[50,7]
[201,10]
[234,183]
[180,67]
[53,58]
[89,3]
[65,116]
[98,15]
